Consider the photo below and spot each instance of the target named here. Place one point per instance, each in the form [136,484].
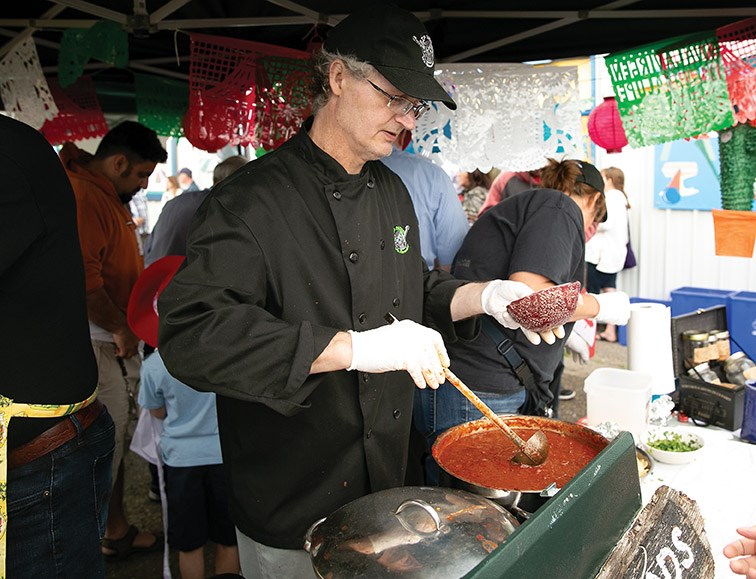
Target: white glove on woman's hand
[498,294]
[578,347]
[403,345]
[614,308]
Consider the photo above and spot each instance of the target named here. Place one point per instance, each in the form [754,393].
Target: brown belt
[55,436]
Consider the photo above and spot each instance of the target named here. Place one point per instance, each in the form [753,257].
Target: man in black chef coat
[292,267]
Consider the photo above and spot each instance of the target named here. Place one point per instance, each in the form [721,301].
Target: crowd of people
[298,318]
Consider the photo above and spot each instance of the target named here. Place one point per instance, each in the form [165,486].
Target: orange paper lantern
[605,126]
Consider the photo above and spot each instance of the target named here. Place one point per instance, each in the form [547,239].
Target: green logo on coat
[401,245]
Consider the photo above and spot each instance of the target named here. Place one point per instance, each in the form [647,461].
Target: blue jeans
[57,506]
[438,410]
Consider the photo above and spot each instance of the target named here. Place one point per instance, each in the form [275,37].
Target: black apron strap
[536,404]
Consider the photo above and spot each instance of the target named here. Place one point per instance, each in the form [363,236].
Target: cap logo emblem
[401,245]
[425,43]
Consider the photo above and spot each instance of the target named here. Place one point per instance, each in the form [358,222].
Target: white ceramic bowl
[673,457]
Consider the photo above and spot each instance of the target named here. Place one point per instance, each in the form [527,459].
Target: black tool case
[703,402]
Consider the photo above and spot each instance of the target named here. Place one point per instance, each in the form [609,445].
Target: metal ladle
[532,453]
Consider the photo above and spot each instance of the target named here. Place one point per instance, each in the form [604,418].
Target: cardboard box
[703,402]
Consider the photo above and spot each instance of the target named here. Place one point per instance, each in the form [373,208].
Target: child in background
[189,445]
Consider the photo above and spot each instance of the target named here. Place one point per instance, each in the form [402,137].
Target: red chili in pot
[479,453]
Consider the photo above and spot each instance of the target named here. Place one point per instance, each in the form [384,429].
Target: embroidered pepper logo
[401,245]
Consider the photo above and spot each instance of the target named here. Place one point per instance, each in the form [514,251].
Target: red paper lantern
[605,126]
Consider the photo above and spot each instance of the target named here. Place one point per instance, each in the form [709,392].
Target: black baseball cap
[397,44]
[592,177]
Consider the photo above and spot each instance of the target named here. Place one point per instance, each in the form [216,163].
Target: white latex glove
[498,294]
[614,308]
[403,345]
[578,347]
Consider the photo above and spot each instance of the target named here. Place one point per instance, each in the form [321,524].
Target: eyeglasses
[400,105]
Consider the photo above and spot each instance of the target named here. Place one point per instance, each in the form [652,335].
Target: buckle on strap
[516,363]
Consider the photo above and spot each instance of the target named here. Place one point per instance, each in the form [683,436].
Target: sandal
[124,546]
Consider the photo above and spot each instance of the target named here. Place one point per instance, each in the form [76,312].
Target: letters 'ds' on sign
[666,541]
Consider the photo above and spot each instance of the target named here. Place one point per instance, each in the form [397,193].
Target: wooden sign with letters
[666,541]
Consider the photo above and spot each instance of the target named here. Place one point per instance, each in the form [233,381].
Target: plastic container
[690,299]
[741,321]
[622,330]
[619,396]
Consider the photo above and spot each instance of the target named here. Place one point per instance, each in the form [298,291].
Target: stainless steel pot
[521,502]
[409,531]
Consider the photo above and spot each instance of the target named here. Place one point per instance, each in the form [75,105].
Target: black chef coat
[280,257]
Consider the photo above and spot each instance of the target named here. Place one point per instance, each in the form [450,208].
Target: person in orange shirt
[103,185]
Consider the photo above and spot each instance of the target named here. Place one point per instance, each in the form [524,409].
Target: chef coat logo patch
[401,245]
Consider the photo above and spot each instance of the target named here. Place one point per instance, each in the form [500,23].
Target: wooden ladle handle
[487,412]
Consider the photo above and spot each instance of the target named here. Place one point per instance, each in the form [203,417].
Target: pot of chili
[417,532]
[478,458]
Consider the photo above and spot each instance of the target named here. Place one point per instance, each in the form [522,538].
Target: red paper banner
[79,114]
[244,93]
[737,45]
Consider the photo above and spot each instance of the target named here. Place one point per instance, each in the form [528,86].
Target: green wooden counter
[571,535]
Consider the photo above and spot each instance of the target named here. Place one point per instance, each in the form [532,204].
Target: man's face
[132,178]
[184,180]
[368,126]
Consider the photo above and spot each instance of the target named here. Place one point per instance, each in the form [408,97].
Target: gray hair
[321,65]
[227,167]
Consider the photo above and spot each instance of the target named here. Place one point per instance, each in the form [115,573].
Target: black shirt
[45,350]
[169,234]
[538,231]
[281,256]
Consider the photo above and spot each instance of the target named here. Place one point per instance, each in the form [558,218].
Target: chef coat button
[383,244]
[365,377]
[362,318]
[397,413]
[396,302]
[337,195]
[370,183]
[369,434]
[354,256]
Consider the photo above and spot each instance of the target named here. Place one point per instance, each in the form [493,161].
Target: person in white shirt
[605,252]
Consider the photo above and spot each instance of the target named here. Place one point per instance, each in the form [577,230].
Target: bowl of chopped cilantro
[673,447]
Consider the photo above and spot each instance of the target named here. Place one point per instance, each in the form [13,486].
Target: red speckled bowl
[547,308]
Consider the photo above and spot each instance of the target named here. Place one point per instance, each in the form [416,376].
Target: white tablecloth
[722,481]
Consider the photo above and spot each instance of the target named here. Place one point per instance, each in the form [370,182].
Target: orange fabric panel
[734,232]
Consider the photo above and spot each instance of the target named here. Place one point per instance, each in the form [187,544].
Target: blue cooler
[690,299]
[741,321]
[748,429]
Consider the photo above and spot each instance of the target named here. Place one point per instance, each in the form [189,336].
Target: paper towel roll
[649,345]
